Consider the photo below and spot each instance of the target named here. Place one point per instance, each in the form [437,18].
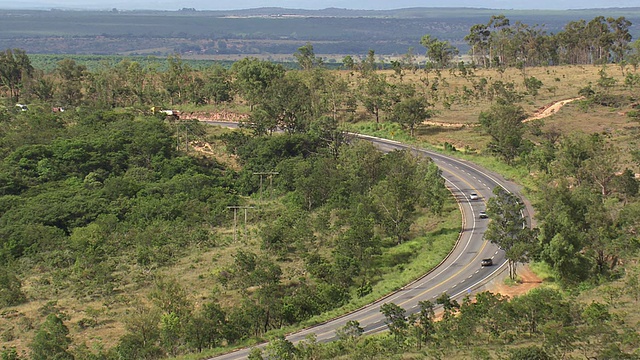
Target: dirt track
[550,109]
[542,113]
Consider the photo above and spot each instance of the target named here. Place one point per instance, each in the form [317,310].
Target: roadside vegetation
[128,229]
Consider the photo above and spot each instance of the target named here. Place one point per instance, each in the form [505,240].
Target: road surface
[458,275]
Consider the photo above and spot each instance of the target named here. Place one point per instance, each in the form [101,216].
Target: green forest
[131,230]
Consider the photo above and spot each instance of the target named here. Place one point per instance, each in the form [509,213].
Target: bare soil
[528,280]
[550,109]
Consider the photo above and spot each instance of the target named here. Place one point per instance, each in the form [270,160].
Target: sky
[311,4]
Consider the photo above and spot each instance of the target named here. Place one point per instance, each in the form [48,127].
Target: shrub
[10,289]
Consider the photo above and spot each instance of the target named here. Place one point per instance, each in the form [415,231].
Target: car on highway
[483,215]
[473,196]
[486,262]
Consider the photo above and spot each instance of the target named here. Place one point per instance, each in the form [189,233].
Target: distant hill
[264,31]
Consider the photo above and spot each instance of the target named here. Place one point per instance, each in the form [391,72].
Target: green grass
[543,271]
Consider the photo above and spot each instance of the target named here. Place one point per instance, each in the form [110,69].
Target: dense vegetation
[100,202]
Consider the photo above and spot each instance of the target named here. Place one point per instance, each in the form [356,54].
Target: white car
[473,196]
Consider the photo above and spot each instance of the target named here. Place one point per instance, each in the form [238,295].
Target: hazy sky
[312,4]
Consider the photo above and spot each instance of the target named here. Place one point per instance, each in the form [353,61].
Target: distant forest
[267,31]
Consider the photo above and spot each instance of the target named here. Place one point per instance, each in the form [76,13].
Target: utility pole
[235,220]
[186,138]
[270,174]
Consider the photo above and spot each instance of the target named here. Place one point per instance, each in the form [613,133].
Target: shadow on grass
[403,253]
[427,130]
[445,231]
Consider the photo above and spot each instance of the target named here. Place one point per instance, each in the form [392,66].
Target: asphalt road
[458,275]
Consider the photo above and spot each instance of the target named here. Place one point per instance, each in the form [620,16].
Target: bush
[10,289]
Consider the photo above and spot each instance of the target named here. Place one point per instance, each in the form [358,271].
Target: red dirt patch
[529,280]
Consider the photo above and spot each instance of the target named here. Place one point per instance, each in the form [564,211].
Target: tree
[425,322]
[281,349]
[396,320]
[306,57]
[411,112]
[440,52]
[43,88]
[207,327]
[374,94]
[620,37]
[51,342]
[177,79]
[70,88]
[540,306]
[410,181]
[286,104]
[563,232]
[499,39]
[361,167]
[368,65]
[360,244]
[478,38]
[10,288]
[15,69]
[253,77]
[599,40]
[533,85]
[348,62]
[508,228]
[264,275]
[503,123]
[350,332]
[218,85]
[447,303]
[290,231]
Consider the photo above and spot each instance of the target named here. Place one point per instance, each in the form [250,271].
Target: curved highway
[458,275]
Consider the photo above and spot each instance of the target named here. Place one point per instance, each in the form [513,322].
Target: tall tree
[15,69]
[218,85]
[70,88]
[253,77]
[478,39]
[396,320]
[410,181]
[620,37]
[439,52]
[425,322]
[287,104]
[509,230]
[503,122]
[306,57]
[368,64]
[206,328]
[374,94]
[176,79]
[360,244]
[499,39]
[411,112]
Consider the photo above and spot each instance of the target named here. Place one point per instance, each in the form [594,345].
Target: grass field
[562,82]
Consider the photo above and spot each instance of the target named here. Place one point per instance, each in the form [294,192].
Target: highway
[459,274]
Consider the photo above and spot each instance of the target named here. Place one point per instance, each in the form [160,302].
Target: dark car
[486,262]
[483,215]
